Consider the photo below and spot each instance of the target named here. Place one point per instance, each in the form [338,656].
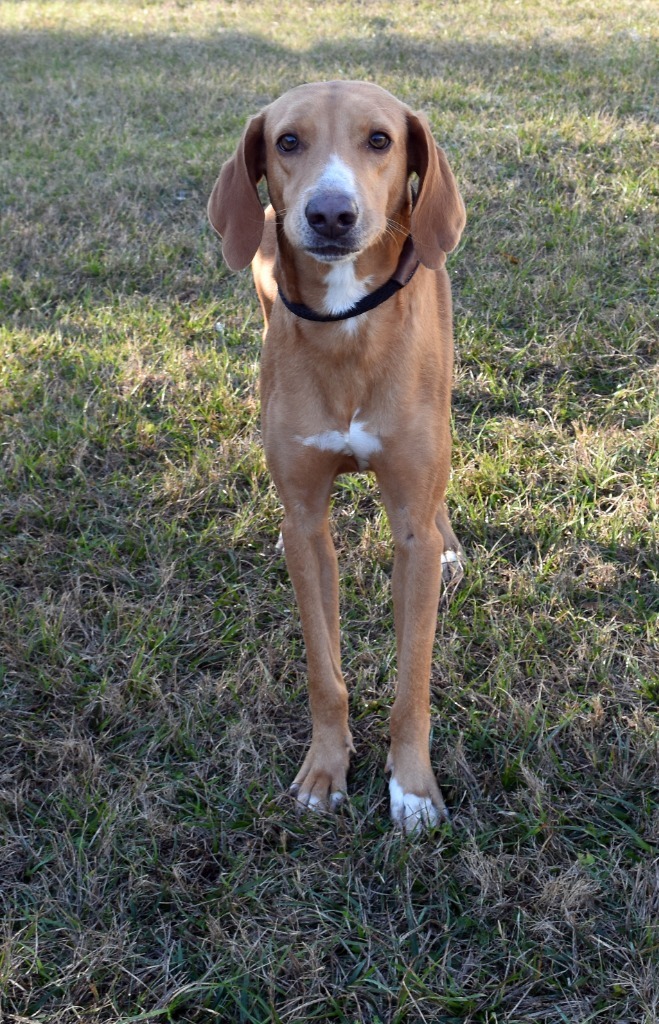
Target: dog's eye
[288,142]
[379,140]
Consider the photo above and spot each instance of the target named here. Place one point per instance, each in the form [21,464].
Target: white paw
[452,571]
[409,810]
[452,565]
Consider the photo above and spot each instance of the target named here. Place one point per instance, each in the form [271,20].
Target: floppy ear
[234,208]
[438,216]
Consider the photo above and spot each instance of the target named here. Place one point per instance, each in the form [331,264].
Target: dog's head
[338,157]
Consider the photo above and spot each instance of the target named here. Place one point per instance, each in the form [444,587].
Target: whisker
[393,228]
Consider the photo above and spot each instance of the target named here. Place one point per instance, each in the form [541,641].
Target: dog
[349,266]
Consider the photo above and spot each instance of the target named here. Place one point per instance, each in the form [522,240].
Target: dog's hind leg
[453,556]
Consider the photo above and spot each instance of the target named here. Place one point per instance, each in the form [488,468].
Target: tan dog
[346,387]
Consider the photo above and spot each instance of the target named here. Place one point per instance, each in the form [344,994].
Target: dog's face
[338,158]
[336,163]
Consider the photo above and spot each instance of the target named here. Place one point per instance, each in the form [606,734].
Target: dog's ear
[438,216]
[234,208]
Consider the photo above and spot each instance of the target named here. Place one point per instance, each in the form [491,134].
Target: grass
[152,672]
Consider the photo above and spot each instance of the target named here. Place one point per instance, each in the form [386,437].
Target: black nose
[332,214]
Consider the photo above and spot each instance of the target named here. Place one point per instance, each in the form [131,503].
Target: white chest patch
[356,441]
[343,288]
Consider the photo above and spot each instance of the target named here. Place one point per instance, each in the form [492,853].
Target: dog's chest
[356,442]
[343,288]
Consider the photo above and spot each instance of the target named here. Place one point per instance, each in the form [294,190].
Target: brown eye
[379,140]
[287,143]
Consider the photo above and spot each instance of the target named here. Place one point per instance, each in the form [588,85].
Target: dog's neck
[334,288]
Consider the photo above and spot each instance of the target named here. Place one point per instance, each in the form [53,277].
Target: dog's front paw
[320,798]
[416,802]
[321,781]
[410,811]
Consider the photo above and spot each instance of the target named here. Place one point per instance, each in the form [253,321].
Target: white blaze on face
[336,177]
[356,442]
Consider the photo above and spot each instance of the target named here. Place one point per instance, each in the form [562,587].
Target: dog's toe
[306,801]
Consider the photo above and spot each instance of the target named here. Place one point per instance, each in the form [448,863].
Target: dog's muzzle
[332,221]
[332,215]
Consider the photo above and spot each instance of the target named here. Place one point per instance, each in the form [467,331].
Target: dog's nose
[332,214]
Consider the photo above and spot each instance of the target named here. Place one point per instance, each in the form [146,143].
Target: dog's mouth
[331,253]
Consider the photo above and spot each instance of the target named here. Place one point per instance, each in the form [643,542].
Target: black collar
[404,272]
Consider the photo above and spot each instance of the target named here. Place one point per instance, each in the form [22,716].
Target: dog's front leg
[312,564]
[414,794]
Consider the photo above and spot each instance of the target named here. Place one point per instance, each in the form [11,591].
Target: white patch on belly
[356,441]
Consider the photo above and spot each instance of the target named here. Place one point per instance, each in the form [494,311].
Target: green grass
[152,674]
